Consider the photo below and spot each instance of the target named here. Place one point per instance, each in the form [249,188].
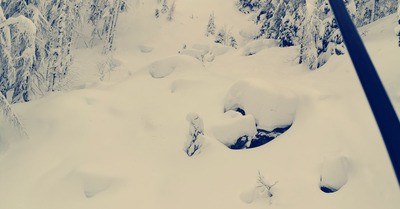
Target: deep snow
[119,143]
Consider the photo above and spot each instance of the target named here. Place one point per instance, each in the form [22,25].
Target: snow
[118,143]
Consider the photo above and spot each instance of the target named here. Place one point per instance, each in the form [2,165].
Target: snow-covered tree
[211,25]
[22,34]
[171,12]
[290,27]
[317,34]
[165,7]
[60,25]
[247,6]
[397,29]
[310,39]
[196,134]
[9,122]
[321,35]
[225,37]
[384,8]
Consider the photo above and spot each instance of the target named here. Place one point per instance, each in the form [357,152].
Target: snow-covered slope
[119,143]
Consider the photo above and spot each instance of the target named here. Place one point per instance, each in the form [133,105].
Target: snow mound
[204,52]
[165,67]
[185,85]
[334,174]
[198,54]
[258,45]
[233,126]
[94,184]
[219,49]
[272,108]
[145,49]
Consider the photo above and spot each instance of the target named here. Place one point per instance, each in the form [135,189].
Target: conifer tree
[165,7]
[211,25]
[171,12]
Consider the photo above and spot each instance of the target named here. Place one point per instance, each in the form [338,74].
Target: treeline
[36,38]
[311,24]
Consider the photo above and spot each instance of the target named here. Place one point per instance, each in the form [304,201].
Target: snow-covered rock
[233,126]
[272,108]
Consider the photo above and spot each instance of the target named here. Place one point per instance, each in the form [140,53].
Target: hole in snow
[328,189]
[334,174]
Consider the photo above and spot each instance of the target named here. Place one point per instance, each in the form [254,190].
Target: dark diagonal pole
[378,99]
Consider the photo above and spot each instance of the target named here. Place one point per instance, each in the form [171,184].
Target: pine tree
[397,29]
[7,70]
[247,6]
[22,32]
[165,7]
[211,25]
[171,12]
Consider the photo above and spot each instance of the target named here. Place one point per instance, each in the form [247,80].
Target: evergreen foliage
[37,37]
[211,25]
[311,24]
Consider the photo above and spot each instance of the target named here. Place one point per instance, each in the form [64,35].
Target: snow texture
[118,143]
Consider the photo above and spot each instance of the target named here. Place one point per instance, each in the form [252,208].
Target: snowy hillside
[122,142]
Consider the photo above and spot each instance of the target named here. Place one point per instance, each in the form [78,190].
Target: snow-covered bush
[195,138]
[264,190]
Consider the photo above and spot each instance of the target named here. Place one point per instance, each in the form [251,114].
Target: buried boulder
[262,114]
[235,130]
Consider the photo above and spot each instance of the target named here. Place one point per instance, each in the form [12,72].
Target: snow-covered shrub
[263,191]
[195,138]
